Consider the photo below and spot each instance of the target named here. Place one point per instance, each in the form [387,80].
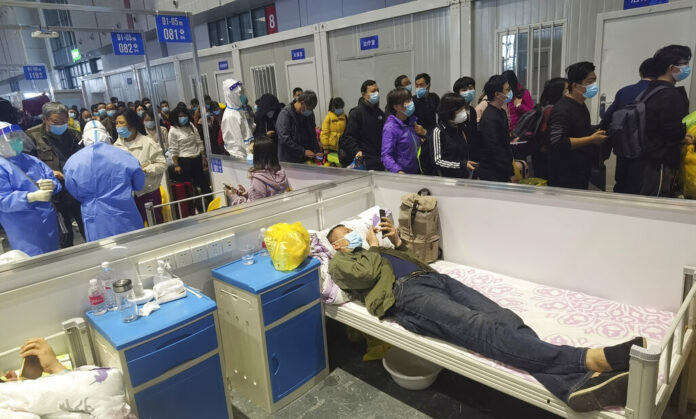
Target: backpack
[345,156]
[419,225]
[627,126]
[528,125]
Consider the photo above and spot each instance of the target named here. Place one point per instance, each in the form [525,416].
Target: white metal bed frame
[645,399]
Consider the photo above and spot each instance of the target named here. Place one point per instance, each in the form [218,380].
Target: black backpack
[528,125]
[627,126]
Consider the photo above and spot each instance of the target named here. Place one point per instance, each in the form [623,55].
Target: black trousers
[652,178]
[192,171]
[68,211]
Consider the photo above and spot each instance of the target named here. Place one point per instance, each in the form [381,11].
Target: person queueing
[554,90]
[266,115]
[426,102]
[521,102]
[132,138]
[267,176]
[188,152]
[393,284]
[296,130]
[151,130]
[236,131]
[451,146]
[26,188]
[334,125]
[55,144]
[363,133]
[496,153]
[401,135]
[103,177]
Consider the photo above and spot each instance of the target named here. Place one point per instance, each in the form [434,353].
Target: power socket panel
[199,253]
[168,258]
[214,249]
[229,243]
[147,268]
[183,258]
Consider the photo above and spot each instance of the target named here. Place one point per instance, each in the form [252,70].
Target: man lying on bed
[392,283]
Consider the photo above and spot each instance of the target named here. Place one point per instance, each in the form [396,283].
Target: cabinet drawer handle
[173,341]
[293,288]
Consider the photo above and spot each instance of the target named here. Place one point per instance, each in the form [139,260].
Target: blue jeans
[436,305]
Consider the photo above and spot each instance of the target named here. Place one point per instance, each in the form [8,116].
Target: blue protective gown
[103,178]
[30,227]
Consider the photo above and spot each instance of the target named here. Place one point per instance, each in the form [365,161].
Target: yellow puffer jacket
[331,130]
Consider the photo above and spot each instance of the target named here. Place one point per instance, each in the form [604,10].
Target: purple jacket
[400,145]
[264,183]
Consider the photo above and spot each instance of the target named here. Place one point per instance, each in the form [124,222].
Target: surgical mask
[591,90]
[374,98]
[17,145]
[123,132]
[59,129]
[216,112]
[508,98]
[88,119]
[148,105]
[338,111]
[150,124]
[244,99]
[256,108]
[306,113]
[468,95]
[72,115]
[102,112]
[354,240]
[141,113]
[684,72]
[194,108]
[111,113]
[461,117]
[165,109]
[183,120]
[270,114]
[421,91]
[409,87]
[410,109]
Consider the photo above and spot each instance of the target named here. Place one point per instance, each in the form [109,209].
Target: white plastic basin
[408,370]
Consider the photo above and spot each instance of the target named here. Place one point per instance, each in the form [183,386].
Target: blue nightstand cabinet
[171,361]
[272,327]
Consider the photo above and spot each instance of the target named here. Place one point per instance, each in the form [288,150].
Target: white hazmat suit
[236,131]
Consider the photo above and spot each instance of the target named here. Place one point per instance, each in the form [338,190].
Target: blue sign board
[633,4]
[222,65]
[35,72]
[127,43]
[173,28]
[298,54]
[369,42]
[216,165]
[129,80]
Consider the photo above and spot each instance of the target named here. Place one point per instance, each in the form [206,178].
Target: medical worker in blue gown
[26,188]
[103,178]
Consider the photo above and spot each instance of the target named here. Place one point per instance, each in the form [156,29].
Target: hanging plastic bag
[288,245]
[357,164]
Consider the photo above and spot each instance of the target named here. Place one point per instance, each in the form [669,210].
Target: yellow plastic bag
[288,245]
[689,171]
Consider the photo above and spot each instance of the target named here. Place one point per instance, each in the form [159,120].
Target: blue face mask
[306,113]
[244,99]
[165,110]
[72,115]
[591,90]
[338,111]
[410,109]
[409,87]
[684,72]
[102,112]
[183,120]
[216,112]
[59,129]
[141,113]
[354,240]
[508,98]
[468,95]
[111,114]
[374,98]
[194,108]
[150,124]
[17,145]
[123,132]
[207,107]
[421,91]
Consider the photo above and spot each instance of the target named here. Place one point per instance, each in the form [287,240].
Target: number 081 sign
[173,28]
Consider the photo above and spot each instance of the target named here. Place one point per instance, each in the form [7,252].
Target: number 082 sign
[173,28]
[127,43]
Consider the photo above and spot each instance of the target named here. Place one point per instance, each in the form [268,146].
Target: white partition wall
[215,66]
[124,85]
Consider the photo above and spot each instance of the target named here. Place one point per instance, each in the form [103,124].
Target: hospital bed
[629,250]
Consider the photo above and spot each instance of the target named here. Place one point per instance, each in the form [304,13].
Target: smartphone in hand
[31,368]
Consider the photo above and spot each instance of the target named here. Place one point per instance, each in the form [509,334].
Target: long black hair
[176,113]
[265,154]
[553,91]
[517,89]
[133,120]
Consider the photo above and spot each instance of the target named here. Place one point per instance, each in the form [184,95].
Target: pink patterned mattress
[559,316]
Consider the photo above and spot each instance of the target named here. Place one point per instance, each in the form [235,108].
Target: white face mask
[461,117]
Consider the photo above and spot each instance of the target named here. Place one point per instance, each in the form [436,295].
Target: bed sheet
[558,316]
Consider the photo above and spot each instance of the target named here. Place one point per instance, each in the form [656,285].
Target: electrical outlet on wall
[199,253]
[183,258]
[214,248]
[147,268]
[168,258]
[229,244]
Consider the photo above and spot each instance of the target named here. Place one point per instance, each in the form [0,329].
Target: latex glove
[148,308]
[46,185]
[40,195]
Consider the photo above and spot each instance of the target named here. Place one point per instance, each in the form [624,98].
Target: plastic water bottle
[107,278]
[264,250]
[96,298]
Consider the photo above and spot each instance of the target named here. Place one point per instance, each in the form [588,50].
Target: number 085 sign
[173,28]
